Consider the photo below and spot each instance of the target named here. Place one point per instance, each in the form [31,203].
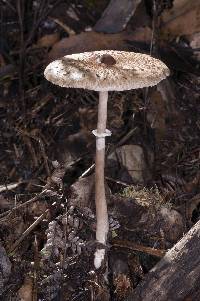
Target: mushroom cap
[106,70]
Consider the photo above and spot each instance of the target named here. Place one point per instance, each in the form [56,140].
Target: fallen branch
[28,231]
[177,276]
[136,247]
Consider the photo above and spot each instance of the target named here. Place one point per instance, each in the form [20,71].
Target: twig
[9,5]
[44,156]
[35,198]
[38,220]
[136,247]
[87,171]
[36,268]
[117,182]
[20,11]
[43,14]
[9,186]
[66,28]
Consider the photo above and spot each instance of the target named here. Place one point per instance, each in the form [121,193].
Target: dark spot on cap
[107,59]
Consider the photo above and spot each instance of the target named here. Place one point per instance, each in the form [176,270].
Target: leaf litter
[47,216]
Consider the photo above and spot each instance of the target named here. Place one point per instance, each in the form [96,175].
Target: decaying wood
[116,16]
[177,276]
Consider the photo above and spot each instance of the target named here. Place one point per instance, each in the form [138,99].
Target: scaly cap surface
[106,70]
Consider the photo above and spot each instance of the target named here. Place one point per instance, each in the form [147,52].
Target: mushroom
[103,71]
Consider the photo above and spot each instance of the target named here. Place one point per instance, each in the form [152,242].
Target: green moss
[145,197]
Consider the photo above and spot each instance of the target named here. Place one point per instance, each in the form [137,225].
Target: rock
[116,16]
[131,160]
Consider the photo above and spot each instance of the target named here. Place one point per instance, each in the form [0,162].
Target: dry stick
[20,11]
[41,194]
[35,198]
[136,247]
[69,30]
[117,182]
[87,171]
[43,14]
[44,156]
[7,187]
[36,269]
[9,5]
[38,220]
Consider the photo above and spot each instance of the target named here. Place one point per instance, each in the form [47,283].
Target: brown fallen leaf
[26,291]
[89,41]
[182,19]
[48,40]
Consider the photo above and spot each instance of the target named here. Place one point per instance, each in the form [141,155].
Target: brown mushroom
[104,71]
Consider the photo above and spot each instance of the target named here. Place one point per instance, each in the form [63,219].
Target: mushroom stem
[100,197]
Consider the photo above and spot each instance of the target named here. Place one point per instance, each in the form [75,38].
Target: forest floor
[47,212]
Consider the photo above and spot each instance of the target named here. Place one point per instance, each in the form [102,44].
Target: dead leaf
[89,41]
[82,192]
[183,18]
[48,40]
[6,203]
[122,285]
[37,208]
[26,291]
